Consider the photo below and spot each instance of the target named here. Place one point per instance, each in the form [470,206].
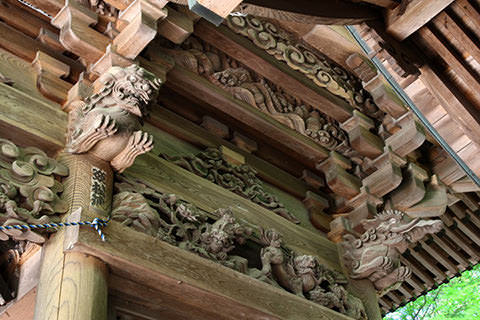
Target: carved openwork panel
[29,190]
[248,86]
[375,254]
[221,237]
[107,124]
[240,179]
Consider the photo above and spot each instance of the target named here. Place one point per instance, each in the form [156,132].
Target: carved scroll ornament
[107,123]
[215,236]
[321,70]
[28,190]
[241,179]
[375,255]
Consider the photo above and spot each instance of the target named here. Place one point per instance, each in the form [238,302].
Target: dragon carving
[376,253]
[107,124]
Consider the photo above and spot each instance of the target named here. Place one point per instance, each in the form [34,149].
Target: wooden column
[73,286]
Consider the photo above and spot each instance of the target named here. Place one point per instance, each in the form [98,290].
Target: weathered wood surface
[169,178]
[301,147]
[280,73]
[30,121]
[317,12]
[193,134]
[72,285]
[201,283]
[415,14]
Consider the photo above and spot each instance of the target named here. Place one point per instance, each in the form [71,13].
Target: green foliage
[457,299]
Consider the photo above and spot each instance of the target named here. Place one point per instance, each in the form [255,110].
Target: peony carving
[29,190]
[375,254]
[107,124]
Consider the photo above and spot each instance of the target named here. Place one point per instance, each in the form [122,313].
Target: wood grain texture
[316,12]
[280,73]
[169,178]
[23,118]
[84,288]
[416,14]
[201,283]
[301,147]
[72,285]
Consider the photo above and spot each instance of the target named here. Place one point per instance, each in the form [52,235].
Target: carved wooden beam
[404,20]
[304,11]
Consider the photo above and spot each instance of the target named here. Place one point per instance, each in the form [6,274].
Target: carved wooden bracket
[361,138]
[49,72]
[107,123]
[338,179]
[142,17]
[74,21]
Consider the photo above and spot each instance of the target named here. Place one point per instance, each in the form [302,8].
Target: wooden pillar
[73,286]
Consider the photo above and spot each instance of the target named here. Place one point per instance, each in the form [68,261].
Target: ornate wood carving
[376,253]
[248,86]
[240,179]
[215,235]
[321,70]
[29,190]
[107,123]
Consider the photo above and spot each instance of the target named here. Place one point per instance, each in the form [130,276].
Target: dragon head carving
[376,253]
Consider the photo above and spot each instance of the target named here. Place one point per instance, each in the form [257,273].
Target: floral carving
[29,190]
[321,70]
[241,179]
[214,236]
[107,124]
[376,253]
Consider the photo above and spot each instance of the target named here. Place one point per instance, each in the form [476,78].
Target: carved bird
[107,124]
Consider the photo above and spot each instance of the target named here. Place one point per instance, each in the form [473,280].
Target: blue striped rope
[97,224]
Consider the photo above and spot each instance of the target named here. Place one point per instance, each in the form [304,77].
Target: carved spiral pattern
[314,65]
[28,190]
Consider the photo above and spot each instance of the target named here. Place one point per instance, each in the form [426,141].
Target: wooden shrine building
[228,159]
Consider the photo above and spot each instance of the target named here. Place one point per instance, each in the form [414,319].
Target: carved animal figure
[107,124]
[376,253]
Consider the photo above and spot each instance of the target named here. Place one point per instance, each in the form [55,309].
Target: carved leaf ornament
[215,236]
[29,190]
[323,72]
